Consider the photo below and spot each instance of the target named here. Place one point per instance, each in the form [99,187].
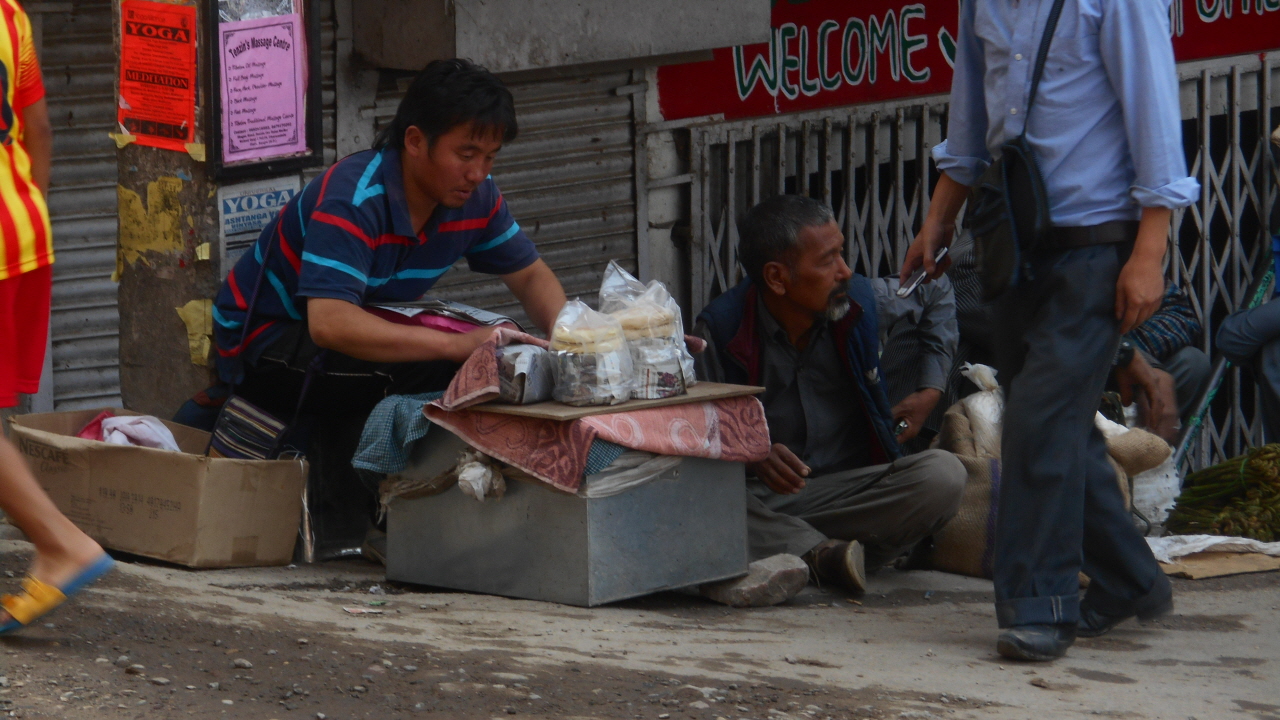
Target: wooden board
[1216,564]
[552,410]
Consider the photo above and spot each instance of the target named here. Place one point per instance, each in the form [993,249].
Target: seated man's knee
[1191,362]
[944,477]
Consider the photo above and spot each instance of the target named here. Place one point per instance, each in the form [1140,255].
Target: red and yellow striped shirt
[26,240]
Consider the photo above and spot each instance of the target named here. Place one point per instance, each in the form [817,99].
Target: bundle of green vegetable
[1239,497]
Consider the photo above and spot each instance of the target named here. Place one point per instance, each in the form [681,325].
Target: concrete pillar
[168,210]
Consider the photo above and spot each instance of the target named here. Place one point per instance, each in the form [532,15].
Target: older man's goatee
[838,307]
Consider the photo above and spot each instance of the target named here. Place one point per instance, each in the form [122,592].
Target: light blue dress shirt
[1106,125]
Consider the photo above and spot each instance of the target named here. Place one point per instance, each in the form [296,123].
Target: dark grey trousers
[1060,509]
[887,508]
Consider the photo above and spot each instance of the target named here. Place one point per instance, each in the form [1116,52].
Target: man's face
[816,278]
[448,170]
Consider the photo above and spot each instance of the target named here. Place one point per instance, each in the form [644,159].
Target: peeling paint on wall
[157,227]
[197,315]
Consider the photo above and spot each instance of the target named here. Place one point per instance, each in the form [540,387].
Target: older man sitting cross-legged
[836,489]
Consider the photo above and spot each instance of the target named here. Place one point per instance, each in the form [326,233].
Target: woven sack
[966,544]
[1137,451]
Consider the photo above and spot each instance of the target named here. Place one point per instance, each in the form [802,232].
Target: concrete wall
[517,35]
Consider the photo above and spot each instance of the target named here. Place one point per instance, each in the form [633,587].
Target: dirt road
[154,641]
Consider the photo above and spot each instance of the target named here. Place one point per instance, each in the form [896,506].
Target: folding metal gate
[872,164]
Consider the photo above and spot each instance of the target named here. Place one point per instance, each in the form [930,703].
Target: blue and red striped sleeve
[503,247]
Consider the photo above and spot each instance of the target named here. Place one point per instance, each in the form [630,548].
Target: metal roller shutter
[568,179]
[328,81]
[79,75]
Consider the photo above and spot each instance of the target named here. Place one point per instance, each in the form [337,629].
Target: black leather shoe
[1155,604]
[1036,642]
[840,563]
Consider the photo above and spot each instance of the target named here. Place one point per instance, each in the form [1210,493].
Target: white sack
[985,409]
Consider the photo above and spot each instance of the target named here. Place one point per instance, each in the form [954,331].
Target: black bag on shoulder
[1008,212]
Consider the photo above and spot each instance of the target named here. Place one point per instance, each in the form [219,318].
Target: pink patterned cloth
[732,429]
[425,319]
[477,380]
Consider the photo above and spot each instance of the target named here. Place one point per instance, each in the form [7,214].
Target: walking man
[1106,132]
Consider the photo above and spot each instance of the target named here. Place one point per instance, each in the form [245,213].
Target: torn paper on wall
[197,315]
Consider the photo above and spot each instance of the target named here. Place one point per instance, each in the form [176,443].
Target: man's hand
[1157,404]
[782,471]
[932,236]
[915,409]
[1138,291]
[1140,286]
[936,231]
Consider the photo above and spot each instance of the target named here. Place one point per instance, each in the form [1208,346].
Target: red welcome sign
[1213,28]
[826,53]
[822,53]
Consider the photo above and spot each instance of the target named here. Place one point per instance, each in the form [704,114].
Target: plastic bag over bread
[654,331]
[591,364]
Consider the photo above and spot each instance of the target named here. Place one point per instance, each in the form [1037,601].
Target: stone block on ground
[769,581]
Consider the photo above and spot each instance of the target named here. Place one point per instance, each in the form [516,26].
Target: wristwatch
[1124,356]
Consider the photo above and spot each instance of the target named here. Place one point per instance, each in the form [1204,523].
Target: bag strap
[314,368]
[1041,56]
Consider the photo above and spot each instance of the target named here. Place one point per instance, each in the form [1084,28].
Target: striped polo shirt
[26,241]
[348,236]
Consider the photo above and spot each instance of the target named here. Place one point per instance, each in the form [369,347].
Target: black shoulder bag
[1008,212]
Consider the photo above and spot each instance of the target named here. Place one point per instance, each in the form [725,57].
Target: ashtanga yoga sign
[826,53]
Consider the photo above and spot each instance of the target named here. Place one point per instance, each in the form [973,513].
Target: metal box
[687,527]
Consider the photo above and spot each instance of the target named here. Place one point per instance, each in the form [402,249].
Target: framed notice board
[265,110]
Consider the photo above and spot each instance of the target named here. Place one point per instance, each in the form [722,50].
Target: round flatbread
[605,338]
[642,321]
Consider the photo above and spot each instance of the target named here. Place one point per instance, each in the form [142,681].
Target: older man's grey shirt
[810,403]
[918,336]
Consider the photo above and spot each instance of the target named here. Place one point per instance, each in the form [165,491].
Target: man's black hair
[769,231]
[449,93]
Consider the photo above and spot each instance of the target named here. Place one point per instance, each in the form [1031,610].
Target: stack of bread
[650,319]
[591,362]
[652,337]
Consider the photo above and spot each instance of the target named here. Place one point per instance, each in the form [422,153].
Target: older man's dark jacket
[729,326]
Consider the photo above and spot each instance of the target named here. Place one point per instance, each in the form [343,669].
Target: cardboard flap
[189,439]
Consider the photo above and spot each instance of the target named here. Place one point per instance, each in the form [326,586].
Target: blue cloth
[1106,125]
[397,422]
[348,236]
[1173,326]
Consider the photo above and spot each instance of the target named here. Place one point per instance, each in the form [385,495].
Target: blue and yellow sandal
[38,598]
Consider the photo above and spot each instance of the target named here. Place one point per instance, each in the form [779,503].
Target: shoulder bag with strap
[243,430]
[1008,212]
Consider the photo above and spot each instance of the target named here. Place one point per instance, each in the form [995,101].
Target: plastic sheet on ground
[1167,549]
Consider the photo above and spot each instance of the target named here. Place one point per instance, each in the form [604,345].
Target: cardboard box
[183,508]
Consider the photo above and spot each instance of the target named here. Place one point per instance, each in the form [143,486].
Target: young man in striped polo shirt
[381,226]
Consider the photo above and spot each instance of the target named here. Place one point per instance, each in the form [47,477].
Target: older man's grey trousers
[887,508]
